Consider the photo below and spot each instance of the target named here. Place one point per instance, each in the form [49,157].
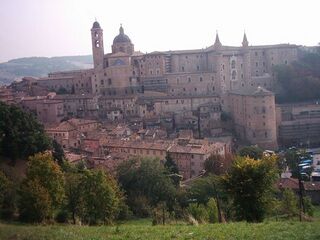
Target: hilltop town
[191,103]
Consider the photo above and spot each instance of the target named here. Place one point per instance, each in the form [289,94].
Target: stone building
[254,116]
[191,85]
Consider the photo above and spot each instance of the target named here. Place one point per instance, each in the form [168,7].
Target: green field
[142,229]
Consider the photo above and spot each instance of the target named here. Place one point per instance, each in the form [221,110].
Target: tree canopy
[21,135]
[299,81]
[250,183]
[42,191]
[251,151]
[146,180]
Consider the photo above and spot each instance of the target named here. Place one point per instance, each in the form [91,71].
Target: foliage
[251,152]
[309,208]
[42,190]
[42,167]
[160,214]
[217,164]
[4,184]
[57,152]
[101,203]
[199,212]
[250,183]
[146,179]
[170,165]
[299,81]
[203,189]
[35,202]
[289,203]
[292,158]
[74,199]
[212,209]
[20,133]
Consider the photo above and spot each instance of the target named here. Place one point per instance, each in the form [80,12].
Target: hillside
[41,66]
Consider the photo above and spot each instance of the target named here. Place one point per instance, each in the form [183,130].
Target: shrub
[309,208]
[212,210]
[160,215]
[289,203]
[62,216]
[199,212]
[141,206]
[35,202]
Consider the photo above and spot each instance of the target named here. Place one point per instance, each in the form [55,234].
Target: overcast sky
[62,27]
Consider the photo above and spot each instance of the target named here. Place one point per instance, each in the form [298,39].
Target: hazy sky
[62,27]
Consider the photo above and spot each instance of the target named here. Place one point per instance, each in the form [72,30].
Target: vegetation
[251,151]
[100,203]
[146,184]
[143,229]
[21,135]
[299,81]
[250,183]
[42,191]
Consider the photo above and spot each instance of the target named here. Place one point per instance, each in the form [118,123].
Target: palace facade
[189,87]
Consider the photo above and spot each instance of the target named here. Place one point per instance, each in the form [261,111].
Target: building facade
[192,86]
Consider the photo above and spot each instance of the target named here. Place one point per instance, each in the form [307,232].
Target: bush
[62,216]
[7,197]
[101,203]
[289,203]
[309,208]
[199,212]
[212,210]
[35,202]
[160,215]
[141,207]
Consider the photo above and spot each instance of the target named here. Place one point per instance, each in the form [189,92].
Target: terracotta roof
[291,183]
[312,186]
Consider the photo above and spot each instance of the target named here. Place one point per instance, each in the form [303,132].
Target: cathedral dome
[121,38]
[96,25]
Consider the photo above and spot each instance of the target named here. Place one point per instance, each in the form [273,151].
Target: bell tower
[97,45]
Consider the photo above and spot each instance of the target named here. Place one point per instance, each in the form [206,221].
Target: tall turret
[245,42]
[97,45]
[217,43]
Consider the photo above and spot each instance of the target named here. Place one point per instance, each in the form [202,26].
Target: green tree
[251,151]
[42,189]
[199,212]
[101,203]
[212,209]
[41,166]
[170,165]
[20,133]
[300,80]
[57,152]
[7,197]
[289,203]
[74,195]
[146,178]
[35,202]
[250,184]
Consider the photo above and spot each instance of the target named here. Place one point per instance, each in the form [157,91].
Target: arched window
[233,64]
[97,43]
[234,75]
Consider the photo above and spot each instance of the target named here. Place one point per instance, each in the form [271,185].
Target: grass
[142,229]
